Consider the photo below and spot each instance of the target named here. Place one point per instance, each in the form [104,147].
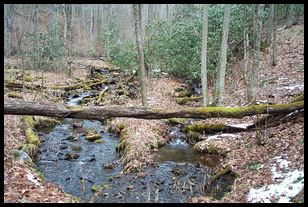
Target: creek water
[179,172]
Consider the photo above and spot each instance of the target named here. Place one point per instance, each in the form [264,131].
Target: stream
[179,172]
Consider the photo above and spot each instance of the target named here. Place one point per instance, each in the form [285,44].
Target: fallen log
[98,113]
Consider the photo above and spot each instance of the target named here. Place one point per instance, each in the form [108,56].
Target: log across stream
[81,167]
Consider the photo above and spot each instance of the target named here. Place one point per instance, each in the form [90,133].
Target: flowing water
[179,172]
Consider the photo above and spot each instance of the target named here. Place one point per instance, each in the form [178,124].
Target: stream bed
[179,173]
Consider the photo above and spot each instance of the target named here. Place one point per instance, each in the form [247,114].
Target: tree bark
[223,57]
[274,37]
[270,25]
[255,72]
[290,15]
[204,56]
[246,46]
[138,29]
[99,113]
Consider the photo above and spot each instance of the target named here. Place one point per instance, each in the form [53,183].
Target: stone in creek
[71,156]
[130,187]
[77,125]
[62,147]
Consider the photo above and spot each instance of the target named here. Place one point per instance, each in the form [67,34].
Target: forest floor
[277,84]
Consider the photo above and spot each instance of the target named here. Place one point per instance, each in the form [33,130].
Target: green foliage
[42,52]
[122,51]
[254,165]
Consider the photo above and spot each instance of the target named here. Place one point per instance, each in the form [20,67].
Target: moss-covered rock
[183,93]
[30,149]
[42,122]
[194,136]
[76,148]
[14,94]
[93,137]
[21,155]
[208,148]
[99,141]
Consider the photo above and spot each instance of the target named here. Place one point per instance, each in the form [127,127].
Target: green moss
[221,172]
[183,93]
[99,141]
[298,98]
[75,108]
[30,149]
[121,147]
[29,121]
[175,121]
[184,100]
[27,78]
[93,137]
[76,148]
[161,143]
[95,188]
[195,136]
[43,122]
[209,128]
[32,138]
[210,149]
[14,94]
[38,173]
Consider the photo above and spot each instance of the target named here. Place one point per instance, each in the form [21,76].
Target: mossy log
[98,113]
[227,169]
[298,98]
[185,100]
[14,94]
[211,128]
[18,85]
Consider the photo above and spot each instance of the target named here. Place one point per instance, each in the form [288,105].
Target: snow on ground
[299,86]
[219,136]
[290,184]
[242,126]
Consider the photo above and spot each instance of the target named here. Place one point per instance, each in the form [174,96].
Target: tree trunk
[204,56]
[65,26]
[274,38]
[138,30]
[290,15]
[270,25]
[223,57]
[99,113]
[246,46]
[255,72]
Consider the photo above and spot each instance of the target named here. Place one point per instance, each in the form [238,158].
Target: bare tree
[204,56]
[246,45]
[138,30]
[290,15]
[274,37]
[220,83]
[270,25]
[255,67]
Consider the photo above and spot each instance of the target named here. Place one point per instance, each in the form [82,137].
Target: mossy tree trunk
[204,56]
[220,83]
[99,113]
[256,61]
[139,42]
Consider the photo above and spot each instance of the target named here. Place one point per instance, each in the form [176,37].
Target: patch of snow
[219,136]
[30,177]
[291,184]
[299,86]
[242,126]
